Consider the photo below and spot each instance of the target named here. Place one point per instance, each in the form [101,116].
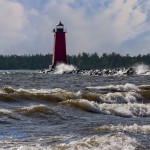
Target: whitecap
[126,87]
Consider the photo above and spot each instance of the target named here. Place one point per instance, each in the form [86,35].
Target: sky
[102,26]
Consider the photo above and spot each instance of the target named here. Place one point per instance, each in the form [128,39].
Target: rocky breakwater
[94,72]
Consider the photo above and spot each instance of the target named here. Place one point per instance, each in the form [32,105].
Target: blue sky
[102,26]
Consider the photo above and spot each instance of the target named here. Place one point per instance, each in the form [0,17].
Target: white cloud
[101,26]
[125,19]
[106,29]
[12,15]
[12,21]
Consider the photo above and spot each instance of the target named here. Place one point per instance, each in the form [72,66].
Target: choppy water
[68,111]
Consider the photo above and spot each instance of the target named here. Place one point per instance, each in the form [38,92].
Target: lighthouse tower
[59,49]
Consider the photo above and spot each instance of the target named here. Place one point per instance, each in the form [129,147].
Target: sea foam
[107,142]
[120,128]
[142,69]
[64,68]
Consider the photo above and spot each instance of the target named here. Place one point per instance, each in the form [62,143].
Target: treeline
[83,61]
[37,61]
[112,60]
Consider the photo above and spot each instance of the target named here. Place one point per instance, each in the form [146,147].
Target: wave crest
[123,88]
[36,110]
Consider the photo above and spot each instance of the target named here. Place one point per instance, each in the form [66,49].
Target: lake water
[72,111]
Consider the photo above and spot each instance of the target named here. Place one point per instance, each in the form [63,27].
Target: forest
[82,61]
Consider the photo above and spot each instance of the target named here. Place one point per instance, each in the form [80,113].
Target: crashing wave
[64,68]
[123,110]
[142,69]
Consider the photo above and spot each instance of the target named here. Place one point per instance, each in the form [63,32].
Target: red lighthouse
[59,49]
